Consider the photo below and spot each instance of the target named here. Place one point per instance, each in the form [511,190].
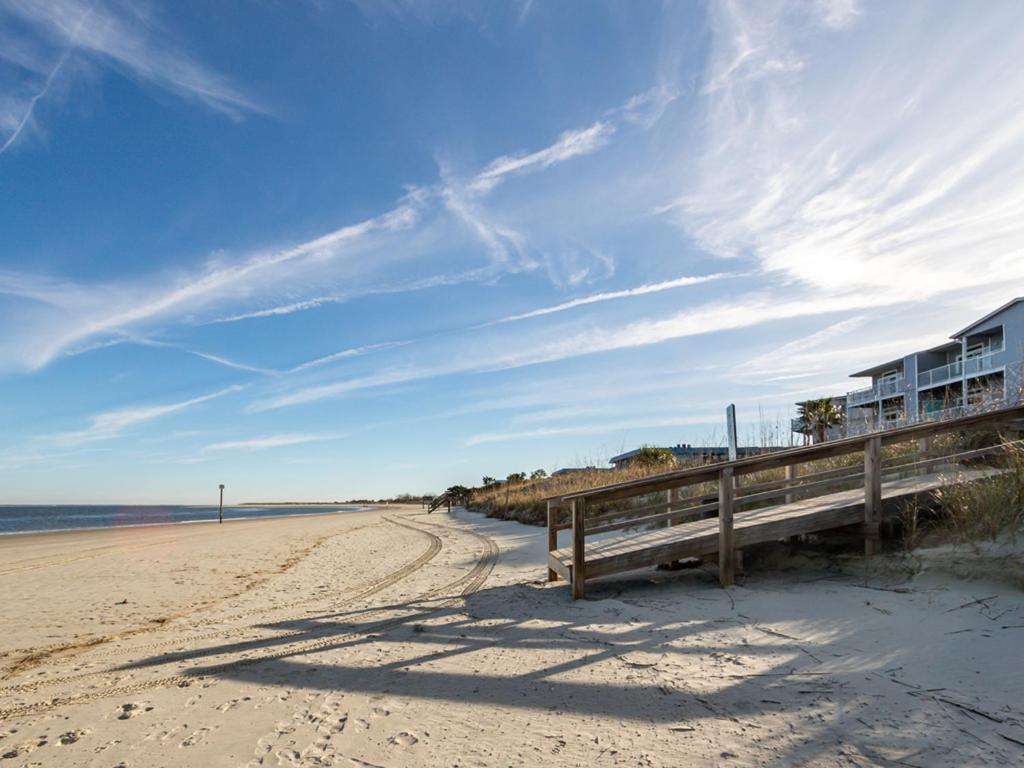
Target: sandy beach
[393,638]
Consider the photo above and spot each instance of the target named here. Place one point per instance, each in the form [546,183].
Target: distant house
[688,453]
[981,366]
[575,470]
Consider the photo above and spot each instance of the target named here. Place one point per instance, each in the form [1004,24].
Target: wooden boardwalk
[699,538]
[766,498]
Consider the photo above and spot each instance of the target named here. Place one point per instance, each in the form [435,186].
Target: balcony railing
[861,396]
[955,371]
[940,375]
[883,389]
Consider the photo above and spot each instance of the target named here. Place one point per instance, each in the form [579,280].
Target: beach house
[981,366]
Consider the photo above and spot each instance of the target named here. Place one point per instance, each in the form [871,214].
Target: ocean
[42,518]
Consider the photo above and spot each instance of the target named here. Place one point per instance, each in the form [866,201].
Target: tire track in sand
[465,585]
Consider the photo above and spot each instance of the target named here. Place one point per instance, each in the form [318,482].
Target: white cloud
[883,155]
[599,428]
[640,290]
[569,145]
[111,424]
[268,442]
[114,34]
[744,312]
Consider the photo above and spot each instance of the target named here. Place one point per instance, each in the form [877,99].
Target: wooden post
[579,565]
[726,537]
[668,506]
[872,494]
[791,473]
[552,536]
[221,516]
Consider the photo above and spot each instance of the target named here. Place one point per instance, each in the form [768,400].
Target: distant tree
[488,481]
[653,457]
[515,478]
[820,415]
[538,474]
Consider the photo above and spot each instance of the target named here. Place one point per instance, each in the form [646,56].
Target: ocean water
[30,519]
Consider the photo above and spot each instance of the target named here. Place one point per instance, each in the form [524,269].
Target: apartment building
[980,366]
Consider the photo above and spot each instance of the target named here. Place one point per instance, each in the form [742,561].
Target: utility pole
[221,520]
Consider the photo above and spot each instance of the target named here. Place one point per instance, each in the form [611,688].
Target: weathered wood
[671,517]
[872,494]
[791,474]
[552,537]
[726,535]
[700,538]
[556,564]
[781,492]
[579,563]
[774,460]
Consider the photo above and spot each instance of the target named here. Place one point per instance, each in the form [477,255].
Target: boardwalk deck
[700,538]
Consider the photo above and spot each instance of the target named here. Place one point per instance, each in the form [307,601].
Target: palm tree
[820,415]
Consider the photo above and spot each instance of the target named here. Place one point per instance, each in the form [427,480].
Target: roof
[690,451]
[986,318]
[876,368]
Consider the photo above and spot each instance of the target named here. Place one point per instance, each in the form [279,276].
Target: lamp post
[221,520]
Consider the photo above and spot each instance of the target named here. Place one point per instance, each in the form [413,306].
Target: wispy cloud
[111,424]
[115,34]
[596,428]
[640,290]
[745,312]
[820,155]
[268,442]
[569,145]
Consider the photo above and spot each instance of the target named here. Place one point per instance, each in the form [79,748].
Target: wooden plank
[579,565]
[552,538]
[559,567]
[872,494]
[726,538]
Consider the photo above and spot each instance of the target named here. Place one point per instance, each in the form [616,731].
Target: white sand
[353,640]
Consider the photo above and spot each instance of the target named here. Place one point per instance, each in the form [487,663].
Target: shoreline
[89,529]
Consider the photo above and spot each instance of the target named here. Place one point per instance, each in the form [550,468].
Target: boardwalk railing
[681,496]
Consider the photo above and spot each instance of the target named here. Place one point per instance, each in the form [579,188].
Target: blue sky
[324,250]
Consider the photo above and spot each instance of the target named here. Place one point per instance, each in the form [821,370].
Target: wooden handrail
[691,476]
[725,475]
[633,522]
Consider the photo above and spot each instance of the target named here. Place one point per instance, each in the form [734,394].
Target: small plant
[651,457]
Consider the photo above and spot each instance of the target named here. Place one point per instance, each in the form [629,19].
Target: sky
[330,250]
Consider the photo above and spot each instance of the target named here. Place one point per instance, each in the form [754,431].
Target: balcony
[941,375]
[976,366]
[861,396]
[881,390]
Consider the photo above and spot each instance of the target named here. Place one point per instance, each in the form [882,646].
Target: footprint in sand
[195,738]
[404,739]
[380,712]
[132,709]
[66,739]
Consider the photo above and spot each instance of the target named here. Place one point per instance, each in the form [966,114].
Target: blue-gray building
[980,367]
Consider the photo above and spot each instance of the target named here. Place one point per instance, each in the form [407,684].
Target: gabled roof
[989,316]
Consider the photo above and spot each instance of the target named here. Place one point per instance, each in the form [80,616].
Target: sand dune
[390,638]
